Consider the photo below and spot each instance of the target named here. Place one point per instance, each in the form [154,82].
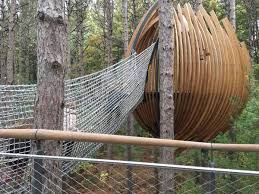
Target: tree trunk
[49,103]
[2,37]
[166,61]
[149,3]
[68,71]
[197,4]
[80,26]
[232,12]
[11,44]
[205,176]
[130,132]
[252,26]
[125,25]
[109,12]
[232,134]
[109,4]
[130,127]
[134,14]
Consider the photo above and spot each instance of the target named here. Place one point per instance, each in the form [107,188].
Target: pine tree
[166,61]
[49,103]
[11,44]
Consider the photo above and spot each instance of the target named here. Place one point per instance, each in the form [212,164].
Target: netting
[106,176]
[96,103]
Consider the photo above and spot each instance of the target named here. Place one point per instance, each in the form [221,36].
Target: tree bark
[232,12]
[2,37]
[130,132]
[232,133]
[134,14]
[109,5]
[25,64]
[130,120]
[149,3]
[197,4]
[49,103]
[109,12]
[11,45]
[166,62]
[125,25]
[252,26]
[68,71]
[80,26]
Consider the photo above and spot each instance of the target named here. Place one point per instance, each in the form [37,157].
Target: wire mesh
[95,103]
[104,176]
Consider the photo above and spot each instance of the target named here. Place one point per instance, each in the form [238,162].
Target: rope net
[95,103]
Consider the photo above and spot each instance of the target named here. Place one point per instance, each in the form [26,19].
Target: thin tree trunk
[232,12]
[250,6]
[149,3]
[80,26]
[11,44]
[130,127]
[232,132]
[197,4]
[130,132]
[205,176]
[68,71]
[125,25]
[166,61]
[109,32]
[134,14]
[109,12]
[49,103]
[2,56]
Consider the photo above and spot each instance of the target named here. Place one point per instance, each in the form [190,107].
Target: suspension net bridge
[211,85]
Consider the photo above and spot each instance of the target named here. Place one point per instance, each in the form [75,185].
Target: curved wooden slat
[211,74]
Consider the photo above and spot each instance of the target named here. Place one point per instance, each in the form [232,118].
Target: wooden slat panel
[211,74]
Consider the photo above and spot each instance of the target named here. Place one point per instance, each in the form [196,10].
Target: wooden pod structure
[211,73]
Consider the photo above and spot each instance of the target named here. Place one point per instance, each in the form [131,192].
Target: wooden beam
[43,134]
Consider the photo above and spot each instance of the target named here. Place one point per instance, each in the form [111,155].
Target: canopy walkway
[211,86]
[96,103]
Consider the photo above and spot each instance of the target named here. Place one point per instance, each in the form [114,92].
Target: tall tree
[134,14]
[49,103]
[26,67]
[197,4]
[252,25]
[125,25]
[232,12]
[2,43]
[11,44]
[232,131]
[81,8]
[130,120]
[149,3]
[109,9]
[109,29]
[68,14]
[166,61]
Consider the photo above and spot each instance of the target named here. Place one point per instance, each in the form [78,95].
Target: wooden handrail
[43,134]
